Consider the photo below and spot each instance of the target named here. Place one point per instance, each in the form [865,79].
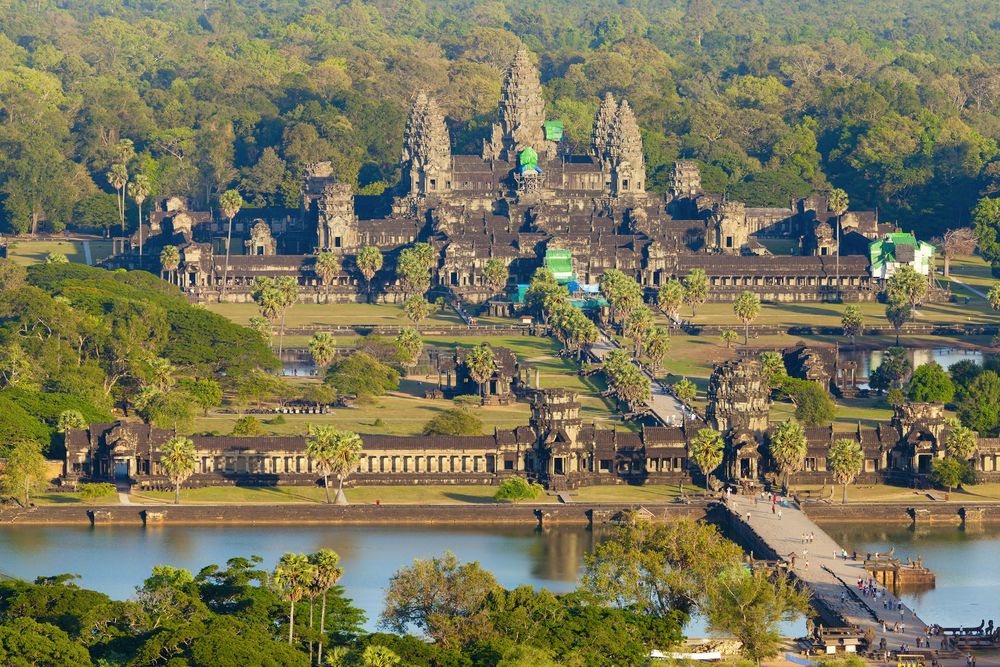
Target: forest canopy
[893,101]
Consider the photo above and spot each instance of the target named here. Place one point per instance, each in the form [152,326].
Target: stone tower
[685,180]
[426,148]
[522,114]
[337,227]
[731,231]
[554,412]
[628,168]
[738,397]
[603,122]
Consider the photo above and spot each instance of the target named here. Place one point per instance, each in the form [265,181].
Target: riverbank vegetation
[438,612]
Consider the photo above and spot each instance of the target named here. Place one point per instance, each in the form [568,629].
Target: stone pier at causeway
[831,579]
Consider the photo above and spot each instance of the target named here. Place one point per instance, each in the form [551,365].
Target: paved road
[662,404]
[87,257]
[828,576]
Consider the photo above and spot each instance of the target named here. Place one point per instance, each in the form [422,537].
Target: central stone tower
[738,397]
[522,114]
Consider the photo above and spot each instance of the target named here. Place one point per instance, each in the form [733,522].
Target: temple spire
[603,122]
[625,153]
[427,147]
[522,112]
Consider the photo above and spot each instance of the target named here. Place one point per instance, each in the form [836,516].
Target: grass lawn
[27,252]
[891,494]
[972,270]
[70,498]
[336,314]
[387,495]
[650,493]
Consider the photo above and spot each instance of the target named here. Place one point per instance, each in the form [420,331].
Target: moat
[116,559]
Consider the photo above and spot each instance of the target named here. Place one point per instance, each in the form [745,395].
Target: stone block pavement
[828,575]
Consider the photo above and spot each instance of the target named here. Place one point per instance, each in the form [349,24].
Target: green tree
[178,462]
[495,274]
[931,383]
[409,345]
[292,578]
[637,327]
[670,298]
[838,202]
[453,421]
[544,293]
[416,308]
[118,178]
[746,308]
[788,448]
[892,371]
[749,605]
[695,289]
[71,419]
[206,392]
[170,261]
[24,470]
[993,296]
[327,268]
[514,489]
[322,348]
[979,408]
[413,268]
[728,336]
[287,293]
[378,656]
[950,472]
[441,598]
[898,315]
[852,322]
[247,426]
[369,261]
[657,346]
[961,442]
[482,364]
[24,641]
[772,365]
[334,452]
[685,391]
[813,405]
[139,189]
[326,574]
[360,375]
[623,293]
[230,203]
[986,224]
[659,569]
[846,461]
[706,450]
[906,286]
[56,258]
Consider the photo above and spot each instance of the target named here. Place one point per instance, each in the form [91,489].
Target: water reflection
[868,359]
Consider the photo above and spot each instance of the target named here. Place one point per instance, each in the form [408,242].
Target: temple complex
[523,197]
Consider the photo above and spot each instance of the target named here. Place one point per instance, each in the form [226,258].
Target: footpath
[831,579]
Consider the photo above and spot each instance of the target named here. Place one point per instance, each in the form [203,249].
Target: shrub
[247,426]
[97,490]
[454,421]
[276,421]
[517,488]
[467,400]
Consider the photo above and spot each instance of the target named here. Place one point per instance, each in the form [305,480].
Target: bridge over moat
[832,580]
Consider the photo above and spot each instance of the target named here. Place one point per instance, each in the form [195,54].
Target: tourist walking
[779,515]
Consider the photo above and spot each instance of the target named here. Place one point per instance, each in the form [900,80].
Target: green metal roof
[883,250]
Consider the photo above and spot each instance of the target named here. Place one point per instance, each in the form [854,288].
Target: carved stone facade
[261,242]
[522,114]
[426,148]
[739,397]
[624,154]
[338,225]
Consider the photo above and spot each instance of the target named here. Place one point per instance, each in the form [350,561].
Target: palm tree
[376,655]
[322,348]
[266,295]
[230,202]
[118,176]
[327,266]
[481,364]
[292,577]
[178,461]
[335,452]
[288,294]
[369,261]
[139,189]
[327,574]
[170,260]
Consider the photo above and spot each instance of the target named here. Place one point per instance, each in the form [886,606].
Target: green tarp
[553,130]
[560,263]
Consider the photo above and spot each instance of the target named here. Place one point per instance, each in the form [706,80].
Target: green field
[26,251]
[337,314]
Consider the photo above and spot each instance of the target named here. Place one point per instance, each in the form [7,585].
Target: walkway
[662,404]
[87,257]
[969,287]
[828,576]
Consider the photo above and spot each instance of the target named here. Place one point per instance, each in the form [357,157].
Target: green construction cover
[560,263]
[528,157]
[553,130]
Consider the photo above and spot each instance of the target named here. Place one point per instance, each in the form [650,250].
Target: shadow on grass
[468,498]
[66,500]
